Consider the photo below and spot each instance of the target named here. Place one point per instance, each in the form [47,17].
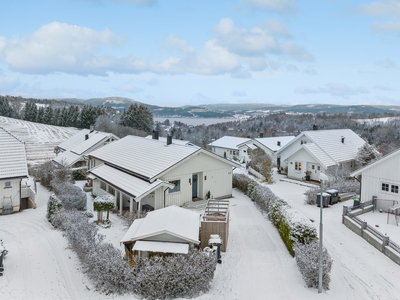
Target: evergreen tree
[73,113]
[40,115]
[48,115]
[137,117]
[64,120]
[5,108]
[56,116]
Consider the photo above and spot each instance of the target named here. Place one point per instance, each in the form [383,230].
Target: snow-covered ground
[381,223]
[40,139]
[256,266]
[376,120]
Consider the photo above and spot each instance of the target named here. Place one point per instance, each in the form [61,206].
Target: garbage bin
[356,203]
[325,199]
[334,196]
[215,241]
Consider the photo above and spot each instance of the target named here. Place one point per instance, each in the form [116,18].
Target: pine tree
[56,116]
[5,108]
[40,115]
[48,115]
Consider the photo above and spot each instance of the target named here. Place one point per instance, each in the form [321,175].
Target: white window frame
[7,185]
[177,187]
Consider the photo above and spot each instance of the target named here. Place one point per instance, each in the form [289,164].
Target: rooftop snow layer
[272,142]
[74,140]
[12,156]
[163,247]
[143,156]
[67,158]
[229,142]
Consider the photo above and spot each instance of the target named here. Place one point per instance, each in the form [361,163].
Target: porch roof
[128,184]
[164,247]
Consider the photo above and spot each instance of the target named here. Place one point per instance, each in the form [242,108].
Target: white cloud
[381,8]
[279,6]
[172,41]
[58,47]
[239,94]
[387,27]
[259,41]
[311,71]
[199,98]
[334,89]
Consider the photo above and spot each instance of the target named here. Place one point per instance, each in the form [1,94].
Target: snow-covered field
[376,120]
[40,139]
[256,266]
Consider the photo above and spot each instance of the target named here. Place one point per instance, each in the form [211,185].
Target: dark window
[177,187]
[385,187]
[313,167]
[395,189]
[111,190]
[318,168]
[103,185]
[7,184]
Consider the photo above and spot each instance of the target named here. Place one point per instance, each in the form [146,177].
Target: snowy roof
[272,142]
[74,140]
[67,158]
[147,157]
[94,138]
[173,220]
[174,141]
[320,155]
[377,162]
[330,142]
[229,142]
[12,156]
[163,247]
[129,184]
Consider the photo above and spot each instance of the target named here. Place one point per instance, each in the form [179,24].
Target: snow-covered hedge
[104,203]
[71,196]
[308,262]
[156,278]
[241,182]
[53,205]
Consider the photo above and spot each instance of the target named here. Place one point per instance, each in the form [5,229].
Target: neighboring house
[14,196]
[150,174]
[169,230]
[174,141]
[227,146]
[270,145]
[315,151]
[73,150]
[381,178]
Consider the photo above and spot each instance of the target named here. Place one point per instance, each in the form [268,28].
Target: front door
[194,186]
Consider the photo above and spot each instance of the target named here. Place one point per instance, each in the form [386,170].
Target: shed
[215,220]
[167,230]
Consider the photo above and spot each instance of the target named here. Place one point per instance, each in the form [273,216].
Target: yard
[257,265]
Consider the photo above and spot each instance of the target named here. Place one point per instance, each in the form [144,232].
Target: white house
[169,230]
[315,151]
[14,195]
[228,146]
[150,174]
[381,178]
[270,145]
[73,150]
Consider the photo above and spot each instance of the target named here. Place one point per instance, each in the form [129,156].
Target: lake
[196,121]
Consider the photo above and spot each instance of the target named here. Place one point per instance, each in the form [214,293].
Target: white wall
[218,179]
[303,157]
[385,172]
[10,194]
[221,151]
[290,149]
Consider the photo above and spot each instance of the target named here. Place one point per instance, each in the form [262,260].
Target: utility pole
[322,177]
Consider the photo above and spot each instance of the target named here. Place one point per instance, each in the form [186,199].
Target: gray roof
[147,158]
[127,183]
[330,146]
[174,141]
[67,158]
[12,156]
[229,142]
[74,140]
[143,156]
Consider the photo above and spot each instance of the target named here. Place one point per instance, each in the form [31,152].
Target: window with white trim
[103,185]
[297,166]
[394,189]
[385,187]
[111,190]
[7,184]
[177,187]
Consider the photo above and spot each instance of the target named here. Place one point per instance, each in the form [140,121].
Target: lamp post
[322,178]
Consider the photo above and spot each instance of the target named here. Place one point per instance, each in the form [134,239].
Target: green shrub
[79,175]
[53,205]
[250,189]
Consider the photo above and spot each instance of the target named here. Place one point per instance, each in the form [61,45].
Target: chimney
[91,128]
[86,137]
[155,135]
[261,135]
[169,140]
[342,139]
[315,127]
[248,137]
[278,143]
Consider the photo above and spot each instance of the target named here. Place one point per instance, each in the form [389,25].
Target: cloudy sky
[197,52]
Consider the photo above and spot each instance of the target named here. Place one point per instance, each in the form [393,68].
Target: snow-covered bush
[71,196]
[266,171]
[308,262]
[367,154]
[175,276]
[53,205]
[250,189]
[241,182]
[103,203]
[129,217]
[263,196]
[79,175]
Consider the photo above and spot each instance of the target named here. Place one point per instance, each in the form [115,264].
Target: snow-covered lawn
[40,139]
[256,266]
[380,223]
